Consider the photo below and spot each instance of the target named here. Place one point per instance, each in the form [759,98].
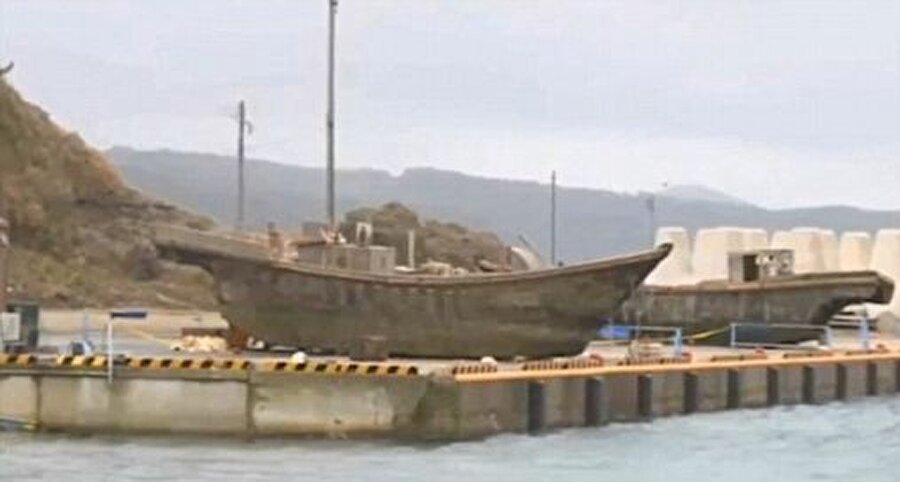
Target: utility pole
[651,218]
[329,121]
[553,218]
[651,202]
[4,263]
[242,129]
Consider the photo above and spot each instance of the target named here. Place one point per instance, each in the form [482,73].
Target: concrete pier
[337,399]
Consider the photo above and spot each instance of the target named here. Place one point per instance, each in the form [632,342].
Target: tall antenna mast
[553,218]
[329,121]
[242,129]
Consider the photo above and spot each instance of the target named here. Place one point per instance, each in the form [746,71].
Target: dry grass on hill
[79,233]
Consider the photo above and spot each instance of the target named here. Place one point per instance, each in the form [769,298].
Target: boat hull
[807,299]
[532,314]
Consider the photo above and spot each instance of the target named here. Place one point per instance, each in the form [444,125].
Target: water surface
[858,441]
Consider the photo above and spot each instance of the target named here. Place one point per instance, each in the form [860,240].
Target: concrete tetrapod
[676,268]
[711,249]
[830,256]
[855,251]
[886,259]
[754,238]
[807,245]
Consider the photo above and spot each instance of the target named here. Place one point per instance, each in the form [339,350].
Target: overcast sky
[781,103]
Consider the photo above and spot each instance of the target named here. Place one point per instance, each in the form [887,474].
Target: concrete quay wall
[249,404]
[438,406]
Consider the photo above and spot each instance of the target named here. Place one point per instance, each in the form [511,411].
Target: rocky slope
[79,234]
[435,240]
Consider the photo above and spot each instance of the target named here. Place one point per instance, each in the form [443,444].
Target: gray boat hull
[803,299]
[532,314]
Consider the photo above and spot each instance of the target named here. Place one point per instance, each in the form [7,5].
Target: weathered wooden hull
[806,299]
[533,314]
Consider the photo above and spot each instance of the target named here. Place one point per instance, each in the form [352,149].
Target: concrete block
[676,268]
[813,248]
[830,250]
[454,411]
[754,239]
[19,398]
[711,248]
[886,260]
[143,405]
[855,251]
[337,406]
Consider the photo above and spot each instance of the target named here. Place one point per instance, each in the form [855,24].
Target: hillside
[697,192]
[79,234]
[591,222]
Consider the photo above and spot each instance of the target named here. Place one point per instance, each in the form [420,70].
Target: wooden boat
[548,312]
[810,299]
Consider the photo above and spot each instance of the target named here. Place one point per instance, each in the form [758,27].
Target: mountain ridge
[700,192]
[591,222]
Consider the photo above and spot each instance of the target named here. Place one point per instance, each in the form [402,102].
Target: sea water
[858,441]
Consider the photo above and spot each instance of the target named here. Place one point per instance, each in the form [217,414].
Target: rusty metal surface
[539,313]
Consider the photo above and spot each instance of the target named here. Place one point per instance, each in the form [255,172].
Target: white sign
[10,327]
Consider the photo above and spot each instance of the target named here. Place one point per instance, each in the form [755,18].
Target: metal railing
[734,328]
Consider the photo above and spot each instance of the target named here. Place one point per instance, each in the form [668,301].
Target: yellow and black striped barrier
[335,368]
[233,364]
[473,368]
[212,364]
[305,367]
[878,349]
[563,364]
[17,359]
[380,369]
[165,363]
[653,361]
[739,357]
[81,361]
[807,354]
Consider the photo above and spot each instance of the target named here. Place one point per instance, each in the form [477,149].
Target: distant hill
[591,222]
[697,192]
